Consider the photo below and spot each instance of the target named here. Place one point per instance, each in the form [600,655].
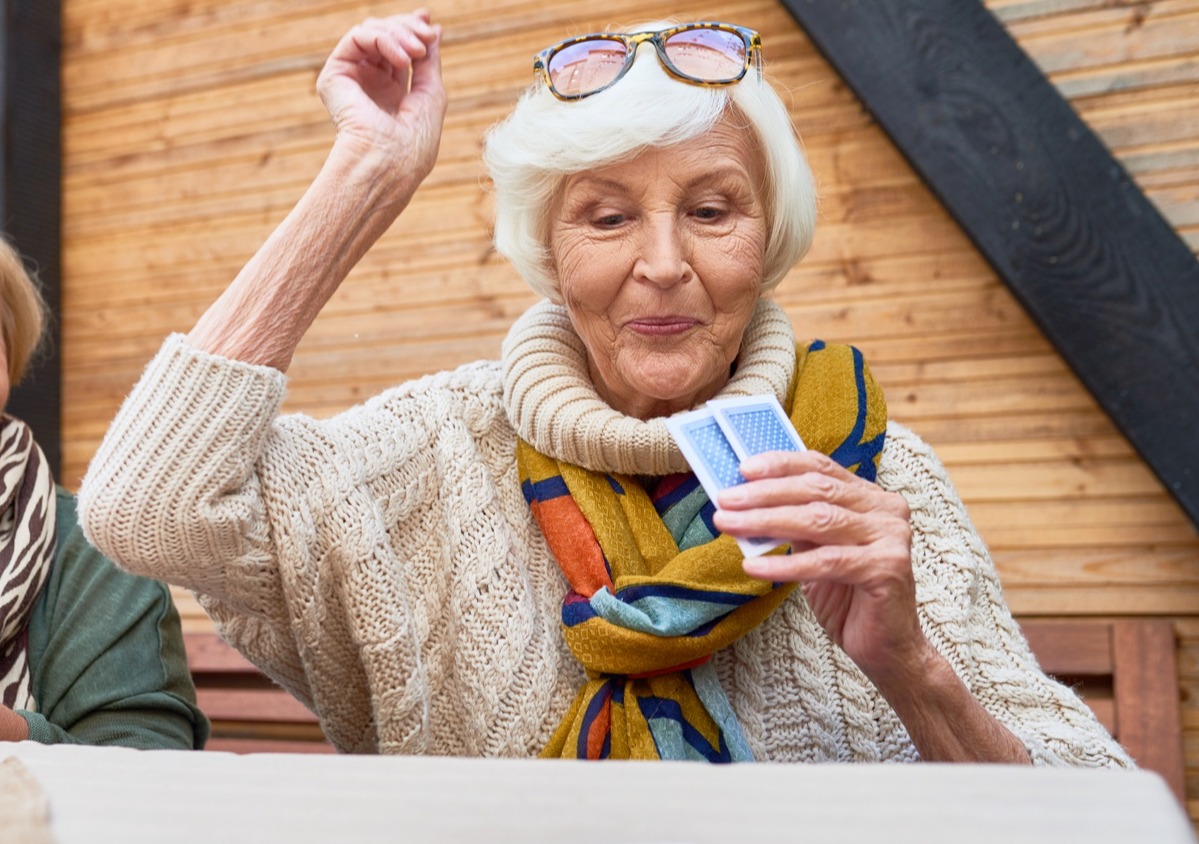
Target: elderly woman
[88,653]
[511,558]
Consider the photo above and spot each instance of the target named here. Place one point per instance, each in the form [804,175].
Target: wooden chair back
[249,713]
[1127,672]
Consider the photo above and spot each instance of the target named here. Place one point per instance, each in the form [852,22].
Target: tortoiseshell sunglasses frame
[657,37]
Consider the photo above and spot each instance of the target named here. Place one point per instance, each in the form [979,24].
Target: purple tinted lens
[711,55]
[586,66]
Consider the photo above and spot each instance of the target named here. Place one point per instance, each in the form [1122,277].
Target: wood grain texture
[1145,670]
[248,712]
[1104,275]
[166,194]
[1127,672]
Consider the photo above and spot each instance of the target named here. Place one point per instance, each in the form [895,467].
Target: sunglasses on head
[701,53]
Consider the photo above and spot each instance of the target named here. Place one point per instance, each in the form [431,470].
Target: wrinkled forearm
[970,626]
[944,720]
[265,312]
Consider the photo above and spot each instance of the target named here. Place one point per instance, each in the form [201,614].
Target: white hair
[544,140]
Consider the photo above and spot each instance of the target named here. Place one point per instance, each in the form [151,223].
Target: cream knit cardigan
[383,565]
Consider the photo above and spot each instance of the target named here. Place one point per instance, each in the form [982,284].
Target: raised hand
[851,552]
[382,87]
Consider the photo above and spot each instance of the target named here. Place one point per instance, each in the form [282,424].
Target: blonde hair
[543,141]
[24,312]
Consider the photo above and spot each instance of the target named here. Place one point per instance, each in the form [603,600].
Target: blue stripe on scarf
[704,629]
[665,610]
[687,514]
[545,490]
[673,734]
[853,450]
[712,696]
[593,710]
[642,591]
[576,610]
[686,487]
[707,514]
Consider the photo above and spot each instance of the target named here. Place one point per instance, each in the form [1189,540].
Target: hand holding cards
[716,438]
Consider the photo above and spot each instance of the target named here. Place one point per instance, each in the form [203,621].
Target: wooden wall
[190,127]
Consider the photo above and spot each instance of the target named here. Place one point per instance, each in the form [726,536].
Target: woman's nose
[663,258]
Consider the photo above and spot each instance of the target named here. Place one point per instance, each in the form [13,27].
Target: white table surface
[129,796]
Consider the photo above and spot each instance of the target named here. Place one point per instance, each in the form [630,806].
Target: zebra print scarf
[27,520]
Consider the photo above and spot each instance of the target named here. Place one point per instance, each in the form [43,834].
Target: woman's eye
[609,220]
[709,213]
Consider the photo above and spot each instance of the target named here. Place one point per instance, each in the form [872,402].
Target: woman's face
[659,261]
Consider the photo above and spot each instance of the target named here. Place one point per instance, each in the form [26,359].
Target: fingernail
[733,495]
[758,567]
[730,519]
[752,464]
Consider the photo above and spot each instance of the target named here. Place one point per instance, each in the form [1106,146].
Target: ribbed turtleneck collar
[553,405]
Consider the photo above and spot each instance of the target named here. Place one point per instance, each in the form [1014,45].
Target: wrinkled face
[659,261]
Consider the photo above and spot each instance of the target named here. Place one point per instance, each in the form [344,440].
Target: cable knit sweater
[383,565]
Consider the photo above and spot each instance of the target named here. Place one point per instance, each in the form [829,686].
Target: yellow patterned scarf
[655,591]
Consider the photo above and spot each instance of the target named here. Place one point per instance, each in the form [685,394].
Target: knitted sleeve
[323,549]
[964,615]
[173,492]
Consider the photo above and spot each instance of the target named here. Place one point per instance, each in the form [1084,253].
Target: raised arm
[382,87]
[176,489]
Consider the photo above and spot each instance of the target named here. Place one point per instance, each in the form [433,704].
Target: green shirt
[106,654]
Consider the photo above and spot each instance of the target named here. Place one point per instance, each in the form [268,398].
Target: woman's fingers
[817,522]
[382,87]
[396,40]
[841,527]
[876,564]
[380,55]
[850,549]
[426,75]
[779,479]
[773,464]
[806,488]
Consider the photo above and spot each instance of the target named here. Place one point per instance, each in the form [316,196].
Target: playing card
[707,449]
[714,462]
[754,424]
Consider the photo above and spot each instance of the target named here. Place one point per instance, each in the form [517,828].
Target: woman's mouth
[661,326]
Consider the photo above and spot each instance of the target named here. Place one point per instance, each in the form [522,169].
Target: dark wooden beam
[30,198]
[1096,266]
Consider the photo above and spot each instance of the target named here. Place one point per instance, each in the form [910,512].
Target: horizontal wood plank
[252,705]
[1067,648]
